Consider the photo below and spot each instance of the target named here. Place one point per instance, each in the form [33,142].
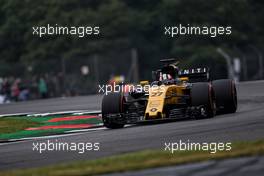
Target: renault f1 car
[173,94]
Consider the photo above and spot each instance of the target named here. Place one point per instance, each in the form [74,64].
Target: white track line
[85,130]
[77,112]
[16,114]
[34,114]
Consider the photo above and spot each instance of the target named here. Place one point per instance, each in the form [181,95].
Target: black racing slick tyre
[202,95]
[226,95]
[112,104]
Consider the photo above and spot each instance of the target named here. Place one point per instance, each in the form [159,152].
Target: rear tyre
[202,95]
[226,95]
[112,104]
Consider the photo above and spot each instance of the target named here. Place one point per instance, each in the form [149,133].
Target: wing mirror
[143,83]
[184,79]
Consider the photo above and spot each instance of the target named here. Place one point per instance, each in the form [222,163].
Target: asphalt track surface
[245,125]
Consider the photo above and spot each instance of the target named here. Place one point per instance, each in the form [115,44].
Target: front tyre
[226,95]
[202,95]
[112,105]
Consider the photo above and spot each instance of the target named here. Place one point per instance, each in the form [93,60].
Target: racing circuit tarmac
[245,125]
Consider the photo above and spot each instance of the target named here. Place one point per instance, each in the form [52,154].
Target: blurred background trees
[124,25]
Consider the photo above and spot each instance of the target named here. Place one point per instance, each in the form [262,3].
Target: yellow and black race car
[173,94]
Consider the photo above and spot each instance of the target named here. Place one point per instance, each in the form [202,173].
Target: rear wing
[196,74]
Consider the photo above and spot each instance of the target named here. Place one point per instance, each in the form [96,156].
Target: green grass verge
[12,125]
[140,160]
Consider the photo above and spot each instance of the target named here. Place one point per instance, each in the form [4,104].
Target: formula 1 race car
[173,94]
